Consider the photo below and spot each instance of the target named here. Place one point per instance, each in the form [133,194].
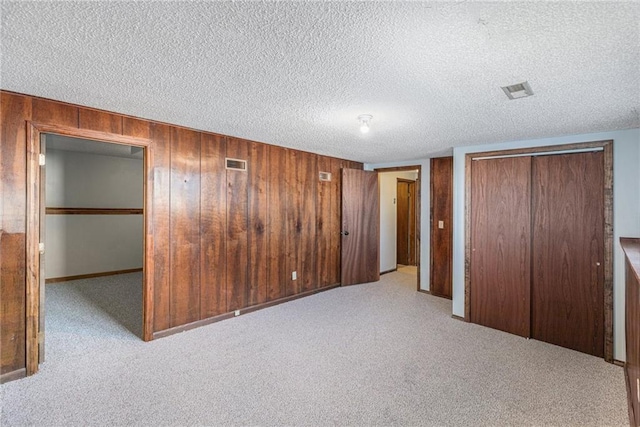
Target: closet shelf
[93,211]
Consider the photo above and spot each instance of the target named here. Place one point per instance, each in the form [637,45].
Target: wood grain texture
[324,226]
[631,249]
[213,226]
[57,113]
[184,228]
[403,208]
[99,120]
[568,251]
[308,188]
[501,244]
[237,227]
[294,220]
[277,224]
[15,111]
[441,239]
[336,221]
[361,219]
[159,247]
[137,128]
[258,208]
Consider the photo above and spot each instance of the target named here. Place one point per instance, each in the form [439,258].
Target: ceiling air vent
[519,90]
[325,176]
[236,164]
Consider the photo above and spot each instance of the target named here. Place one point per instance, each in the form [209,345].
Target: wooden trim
[34,131]
[467,239]
[608,225]
[32,249]
[13,375]
[619,363]
[90,275]
[453,316]
[94,211]
[630,409]
[418,182]
[202,322]
[388,271]
[424,291]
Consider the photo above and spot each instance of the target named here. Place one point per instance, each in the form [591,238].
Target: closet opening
[88,221]
[400,221]
[539,243]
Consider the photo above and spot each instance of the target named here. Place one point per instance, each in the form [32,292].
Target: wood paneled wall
[632,323]
[221,240]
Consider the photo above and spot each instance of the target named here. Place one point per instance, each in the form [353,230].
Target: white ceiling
[298,74]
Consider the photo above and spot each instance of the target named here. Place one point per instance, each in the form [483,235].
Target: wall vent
[518,90]
[236,164]
[325,176]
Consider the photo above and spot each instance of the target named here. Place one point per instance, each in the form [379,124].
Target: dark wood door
[360,227]
[405,222]
[501,244]
[441,226]
[568,251]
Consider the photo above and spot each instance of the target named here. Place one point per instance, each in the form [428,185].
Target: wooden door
[403,208]
[42,234]
[568,251]
[360,227]
[501,244]
[441,226]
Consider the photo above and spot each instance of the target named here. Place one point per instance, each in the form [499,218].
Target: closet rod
[542,153]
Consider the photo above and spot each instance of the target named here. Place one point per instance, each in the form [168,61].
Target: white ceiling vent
[518,90]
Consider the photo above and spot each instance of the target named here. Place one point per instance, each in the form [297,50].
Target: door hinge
[41,159]
[41,247]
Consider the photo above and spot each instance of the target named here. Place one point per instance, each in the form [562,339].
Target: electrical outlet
[294,275]
[237,312]
[441,225]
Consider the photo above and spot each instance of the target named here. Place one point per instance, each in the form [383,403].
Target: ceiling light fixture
[364,120]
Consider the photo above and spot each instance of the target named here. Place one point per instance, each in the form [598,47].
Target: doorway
[78,224]
[405,222]
[400,208]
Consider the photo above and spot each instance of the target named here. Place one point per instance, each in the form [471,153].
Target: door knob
[344,233]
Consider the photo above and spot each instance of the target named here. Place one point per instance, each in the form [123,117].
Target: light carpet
[373,354]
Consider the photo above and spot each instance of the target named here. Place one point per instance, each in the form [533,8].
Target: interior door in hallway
[360,227]
[501,244]
[406,222]
[568,251]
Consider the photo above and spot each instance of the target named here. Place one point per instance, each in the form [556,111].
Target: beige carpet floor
[372,354]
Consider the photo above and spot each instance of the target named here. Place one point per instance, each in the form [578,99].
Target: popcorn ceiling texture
[298,74]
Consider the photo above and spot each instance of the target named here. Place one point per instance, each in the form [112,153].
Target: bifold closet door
[501,244]
[568,251]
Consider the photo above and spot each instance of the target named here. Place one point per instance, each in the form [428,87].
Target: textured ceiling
[298,74]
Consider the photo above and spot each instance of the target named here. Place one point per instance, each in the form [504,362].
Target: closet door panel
[501,244]
[568,254]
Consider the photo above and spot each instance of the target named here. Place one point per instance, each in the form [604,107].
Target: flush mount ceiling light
[364,120]
[518,90]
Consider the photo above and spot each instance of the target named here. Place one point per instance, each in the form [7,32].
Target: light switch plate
[294,275]
[441,225]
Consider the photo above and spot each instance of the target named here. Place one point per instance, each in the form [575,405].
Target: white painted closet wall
[85,244]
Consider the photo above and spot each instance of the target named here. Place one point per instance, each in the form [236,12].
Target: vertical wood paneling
[258,209]
[184,228]
[100,121]
[136,127]
[441,239]
[15,111]
[237,224]
[324,226]
[277,223]
[568,251]
[161,136]
[213,226]
[294,221]
[308,187]
[501,244]
[403,207]
[56,113]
